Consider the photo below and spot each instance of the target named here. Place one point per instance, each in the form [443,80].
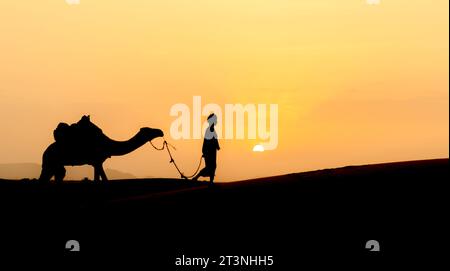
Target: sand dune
[312,211]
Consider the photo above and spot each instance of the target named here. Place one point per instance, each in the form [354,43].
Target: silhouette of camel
[83,143]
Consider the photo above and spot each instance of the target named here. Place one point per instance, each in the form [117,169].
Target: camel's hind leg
[52,165]
[60,173]
[48,164]
[46,174]
[49,171]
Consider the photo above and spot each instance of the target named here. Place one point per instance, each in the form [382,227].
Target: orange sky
[355,83]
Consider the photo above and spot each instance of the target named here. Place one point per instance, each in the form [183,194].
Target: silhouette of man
[209,149]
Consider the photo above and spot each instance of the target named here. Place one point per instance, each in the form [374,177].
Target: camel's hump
[83,130]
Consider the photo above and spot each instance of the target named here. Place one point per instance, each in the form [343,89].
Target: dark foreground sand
[325,212]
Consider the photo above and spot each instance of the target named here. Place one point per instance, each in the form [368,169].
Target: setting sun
[258,148]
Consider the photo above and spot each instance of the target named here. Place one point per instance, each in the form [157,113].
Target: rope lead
[166,146]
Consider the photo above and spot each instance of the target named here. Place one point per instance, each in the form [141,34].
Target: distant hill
[18,171]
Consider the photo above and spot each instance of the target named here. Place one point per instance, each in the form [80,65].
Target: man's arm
[217,144]
[204,147]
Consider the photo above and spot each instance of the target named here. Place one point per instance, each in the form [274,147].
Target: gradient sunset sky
[355,83]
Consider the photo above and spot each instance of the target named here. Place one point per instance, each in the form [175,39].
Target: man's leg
[205,172]
[202,173]
[211,168]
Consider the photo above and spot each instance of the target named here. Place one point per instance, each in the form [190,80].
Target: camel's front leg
[99,173]
[102,173]
[96,173]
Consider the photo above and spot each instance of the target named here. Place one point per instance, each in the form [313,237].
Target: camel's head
[150,133]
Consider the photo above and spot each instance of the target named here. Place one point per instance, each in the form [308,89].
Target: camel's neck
[117,148]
